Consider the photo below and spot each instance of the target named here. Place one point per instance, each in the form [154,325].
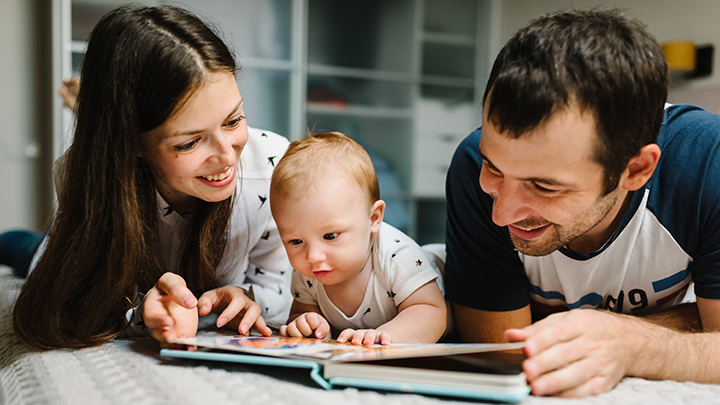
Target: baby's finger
[283,330]
[345,335]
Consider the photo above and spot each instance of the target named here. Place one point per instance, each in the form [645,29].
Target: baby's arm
[305,320]
[421,318]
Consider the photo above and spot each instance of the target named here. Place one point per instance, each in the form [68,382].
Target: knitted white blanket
[132,372]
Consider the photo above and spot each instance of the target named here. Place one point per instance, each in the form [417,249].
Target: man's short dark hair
[601,61]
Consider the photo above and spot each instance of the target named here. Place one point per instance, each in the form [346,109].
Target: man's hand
[579,352]
[364,337]
[237,311]
[307,324]
[170,310]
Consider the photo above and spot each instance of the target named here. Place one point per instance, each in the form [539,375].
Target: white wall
[22,198]
[694,20]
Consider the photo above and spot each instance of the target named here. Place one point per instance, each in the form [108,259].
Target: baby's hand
[170,309]
[364,337]
[305,325]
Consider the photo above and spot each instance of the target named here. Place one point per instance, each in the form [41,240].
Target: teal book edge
[315,370]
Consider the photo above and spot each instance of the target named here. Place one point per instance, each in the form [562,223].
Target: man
[582,192]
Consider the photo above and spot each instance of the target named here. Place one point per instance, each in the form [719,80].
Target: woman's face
[194,153]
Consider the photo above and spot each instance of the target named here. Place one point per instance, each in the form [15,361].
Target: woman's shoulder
[262,152]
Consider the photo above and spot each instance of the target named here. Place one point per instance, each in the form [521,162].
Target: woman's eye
[295,241]
[330,236]
[235,122]
[186,146]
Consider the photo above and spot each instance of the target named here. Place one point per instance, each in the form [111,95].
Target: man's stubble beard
[562,235]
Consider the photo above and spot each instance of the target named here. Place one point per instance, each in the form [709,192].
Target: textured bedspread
[132,372]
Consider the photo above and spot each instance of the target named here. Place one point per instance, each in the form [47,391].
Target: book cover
[479,371]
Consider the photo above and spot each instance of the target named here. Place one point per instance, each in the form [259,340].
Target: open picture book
[480,371]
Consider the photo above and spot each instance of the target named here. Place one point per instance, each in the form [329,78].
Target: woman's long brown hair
[103,248]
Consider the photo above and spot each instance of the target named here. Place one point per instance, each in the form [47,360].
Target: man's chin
[534,248]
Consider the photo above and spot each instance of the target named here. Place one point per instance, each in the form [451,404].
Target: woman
[153,196]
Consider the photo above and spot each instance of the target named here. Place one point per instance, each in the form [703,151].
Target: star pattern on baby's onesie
[280,290]
[393,256]
[271,160]
[418,262]
[367,311]
[262,200]
[263,135]
[297,295]
[258,270]
[266,236]
[309,283]
[391,294]
[168,211]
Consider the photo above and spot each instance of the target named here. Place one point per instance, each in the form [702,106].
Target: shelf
[447,81]
[449,39]
[266,63]
[359,73]
[360,111]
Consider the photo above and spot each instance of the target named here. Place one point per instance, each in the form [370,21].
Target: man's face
[546,186]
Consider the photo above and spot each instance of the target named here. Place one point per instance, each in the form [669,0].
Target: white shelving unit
[403,77]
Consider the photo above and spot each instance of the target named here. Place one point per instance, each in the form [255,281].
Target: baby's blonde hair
[320,157]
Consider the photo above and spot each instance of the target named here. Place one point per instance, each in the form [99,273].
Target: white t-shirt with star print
[400,267]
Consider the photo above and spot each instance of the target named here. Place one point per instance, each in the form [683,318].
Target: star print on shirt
[367,312]
[391,294]
[271,160]
[297,295]
[393,256]
[258,270]
[266,236]
[262,201]
[168,210]
[309,283]
[397,240]
[418,262]
[263,135]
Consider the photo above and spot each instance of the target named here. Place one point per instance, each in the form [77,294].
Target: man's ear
[376,215]
[641,167]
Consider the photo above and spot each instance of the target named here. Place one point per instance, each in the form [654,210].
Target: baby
[352,271]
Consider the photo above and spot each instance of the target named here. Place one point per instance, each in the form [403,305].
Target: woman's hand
[364,337]
[307,324]
[170,309]
[237,311]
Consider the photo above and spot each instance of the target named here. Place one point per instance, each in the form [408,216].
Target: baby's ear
[376,215]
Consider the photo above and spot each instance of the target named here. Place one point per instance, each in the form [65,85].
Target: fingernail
[204,308]
[221,322]
[243,329]
[189,301]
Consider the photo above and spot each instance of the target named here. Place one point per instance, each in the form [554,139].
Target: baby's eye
[330,236]
[295,241]
[186,146]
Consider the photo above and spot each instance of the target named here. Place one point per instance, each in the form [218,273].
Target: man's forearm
[683,318]
[666,354]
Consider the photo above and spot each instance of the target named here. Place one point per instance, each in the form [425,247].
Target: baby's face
[327,235]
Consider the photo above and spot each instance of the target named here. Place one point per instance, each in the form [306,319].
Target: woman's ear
[641,167]
[376,215]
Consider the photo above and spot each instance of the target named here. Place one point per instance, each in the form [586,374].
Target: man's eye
[186,146]
[295,241]
[330,236]
[543,189]
[490,167]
